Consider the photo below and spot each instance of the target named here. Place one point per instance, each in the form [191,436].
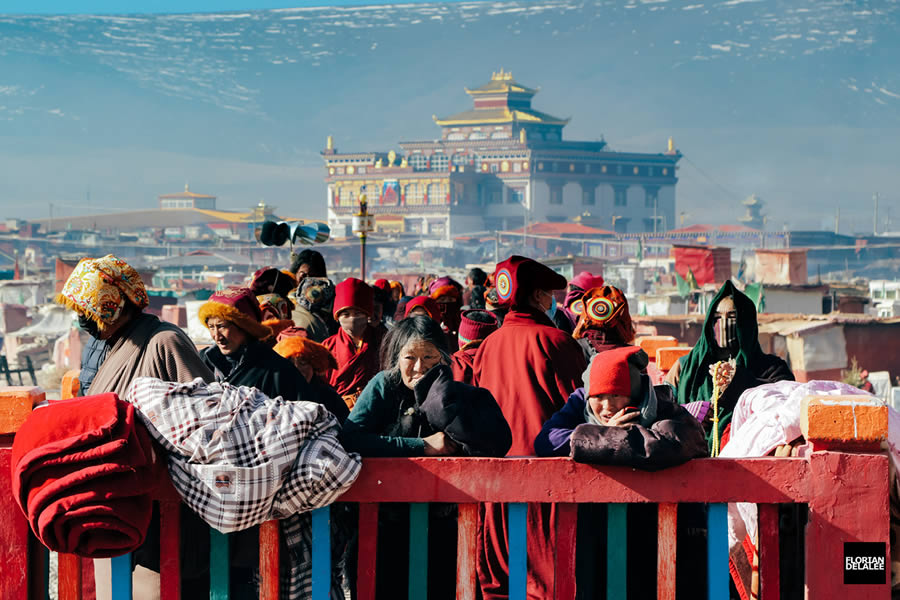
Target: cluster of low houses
[820,328]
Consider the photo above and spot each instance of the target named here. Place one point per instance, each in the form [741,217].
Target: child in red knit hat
[619,418]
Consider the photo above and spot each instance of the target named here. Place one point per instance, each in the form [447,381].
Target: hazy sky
[797,102]
[112,7]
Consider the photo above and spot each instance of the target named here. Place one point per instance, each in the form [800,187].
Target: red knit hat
[516,277]
[471,330]
[238,306]
[354,293]
[382,284]
[617,372]
[426,302]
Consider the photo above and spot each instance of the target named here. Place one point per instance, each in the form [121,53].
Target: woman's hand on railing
[440,444]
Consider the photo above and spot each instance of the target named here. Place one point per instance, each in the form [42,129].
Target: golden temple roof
[502,83]
[187,193]
[496,116]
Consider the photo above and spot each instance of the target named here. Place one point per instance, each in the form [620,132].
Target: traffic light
[276,233]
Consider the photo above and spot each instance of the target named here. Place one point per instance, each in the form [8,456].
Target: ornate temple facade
[499,166]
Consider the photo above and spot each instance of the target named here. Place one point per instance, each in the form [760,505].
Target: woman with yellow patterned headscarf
[109,297]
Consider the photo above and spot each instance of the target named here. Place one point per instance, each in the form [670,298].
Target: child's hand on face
[627,416]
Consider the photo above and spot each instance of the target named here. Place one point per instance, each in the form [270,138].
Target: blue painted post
[219,585]
[717,552]
[321,553]
[121,577]
[518,551]
[616,550]
[418,550]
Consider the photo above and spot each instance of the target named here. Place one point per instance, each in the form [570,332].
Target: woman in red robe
[357,343]
[530,367]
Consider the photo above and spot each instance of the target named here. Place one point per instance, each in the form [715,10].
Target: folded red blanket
[84,473]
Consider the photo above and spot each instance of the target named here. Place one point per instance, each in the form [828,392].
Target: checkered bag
[239,458]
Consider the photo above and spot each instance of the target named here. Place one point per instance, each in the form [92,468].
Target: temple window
[439,162]
[556,194]
[419,162]
[588,196]
[621,196]
[437,193]
[516,196]
[414,194]
[651,197]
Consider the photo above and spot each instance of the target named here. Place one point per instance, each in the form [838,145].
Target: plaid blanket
[239,458]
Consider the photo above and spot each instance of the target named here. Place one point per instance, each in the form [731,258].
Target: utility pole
[875,219]
[362,225]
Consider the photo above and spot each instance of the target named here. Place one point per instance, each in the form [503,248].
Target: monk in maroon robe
[530,367]
[357,343]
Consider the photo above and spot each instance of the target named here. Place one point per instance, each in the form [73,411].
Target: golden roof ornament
[329,144]
[671,145]
[522,136]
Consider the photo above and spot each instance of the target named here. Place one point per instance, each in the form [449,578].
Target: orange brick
[651,343]
[666,357]
[844,422]
[70,385]
[16,403]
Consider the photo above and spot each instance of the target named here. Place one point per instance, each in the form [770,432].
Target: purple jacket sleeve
[553,440]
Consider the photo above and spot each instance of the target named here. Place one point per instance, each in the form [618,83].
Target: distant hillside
[800,105]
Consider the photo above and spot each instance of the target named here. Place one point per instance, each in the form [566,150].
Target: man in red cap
[357,343]
[530,367]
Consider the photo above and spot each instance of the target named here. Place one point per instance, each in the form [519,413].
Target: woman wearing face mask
[730,332]
[109,298]
[356,344]
[414,408]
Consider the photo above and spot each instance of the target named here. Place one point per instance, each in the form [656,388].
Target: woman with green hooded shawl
[729,332]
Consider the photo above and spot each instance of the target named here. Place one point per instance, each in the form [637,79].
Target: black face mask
[726,334]
[89,326]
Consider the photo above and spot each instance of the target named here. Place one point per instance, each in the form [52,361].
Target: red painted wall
[874,346]
[709,265]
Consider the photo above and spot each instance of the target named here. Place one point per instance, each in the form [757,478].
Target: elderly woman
[239,355]
[414,408]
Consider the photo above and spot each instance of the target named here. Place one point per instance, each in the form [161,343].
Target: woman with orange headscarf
[604,322]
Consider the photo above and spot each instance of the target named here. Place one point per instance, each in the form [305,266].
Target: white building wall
[793,302]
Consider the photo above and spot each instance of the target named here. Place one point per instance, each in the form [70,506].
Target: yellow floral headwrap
[98,288]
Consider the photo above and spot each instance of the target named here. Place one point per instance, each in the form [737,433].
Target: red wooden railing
[846,494]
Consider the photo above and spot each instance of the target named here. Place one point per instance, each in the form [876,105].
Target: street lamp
[363,223]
